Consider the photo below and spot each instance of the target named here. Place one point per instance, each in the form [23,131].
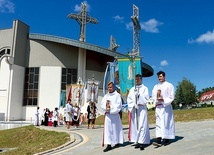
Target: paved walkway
[192,138]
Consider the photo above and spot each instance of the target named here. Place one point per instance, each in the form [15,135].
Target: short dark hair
[138,75]
[69,99]
[161,72]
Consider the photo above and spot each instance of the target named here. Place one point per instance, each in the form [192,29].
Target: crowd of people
[48,118]
[70,115]
[111,104]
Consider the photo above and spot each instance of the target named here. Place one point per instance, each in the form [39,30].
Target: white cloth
[55,115]
[68,116]
[43,115]
[36,122]
[76,111]
[139,115]
[113,130]
[165,127]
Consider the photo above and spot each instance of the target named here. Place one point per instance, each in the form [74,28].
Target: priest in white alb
[163,94]
[138,121]
[113,131]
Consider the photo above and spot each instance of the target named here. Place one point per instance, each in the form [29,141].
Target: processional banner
[92,90]
[75,93]
[128,68]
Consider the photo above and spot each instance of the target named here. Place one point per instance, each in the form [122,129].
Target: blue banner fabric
[128,68]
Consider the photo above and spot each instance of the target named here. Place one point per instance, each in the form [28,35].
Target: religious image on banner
[75,92]
[92,90]
[128,68]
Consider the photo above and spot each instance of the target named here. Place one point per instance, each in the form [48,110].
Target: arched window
[4,50]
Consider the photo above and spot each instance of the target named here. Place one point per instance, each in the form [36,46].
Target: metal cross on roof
[83,18]
[136,31]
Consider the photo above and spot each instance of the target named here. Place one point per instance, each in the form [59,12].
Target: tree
[185,93]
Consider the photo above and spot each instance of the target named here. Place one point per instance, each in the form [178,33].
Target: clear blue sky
[177,36]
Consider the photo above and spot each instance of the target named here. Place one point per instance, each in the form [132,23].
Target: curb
[72,140]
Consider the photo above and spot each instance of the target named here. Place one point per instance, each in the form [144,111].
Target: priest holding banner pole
[138,126]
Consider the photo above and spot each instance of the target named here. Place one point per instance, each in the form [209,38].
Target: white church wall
[4,85]
[6,37]
[49,87]
[17,90]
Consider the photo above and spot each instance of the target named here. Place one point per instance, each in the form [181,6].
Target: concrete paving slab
[192,138]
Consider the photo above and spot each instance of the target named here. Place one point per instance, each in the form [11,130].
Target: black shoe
[158,144]
[108,148]
[166,142]
[137,146]
[141,147]
[117,145]
[134,144]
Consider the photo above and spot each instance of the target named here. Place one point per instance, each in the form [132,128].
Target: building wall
[20,42]
[4,85]
[49,87]
[44,53]
[17,88]
[6,38]
[97,75]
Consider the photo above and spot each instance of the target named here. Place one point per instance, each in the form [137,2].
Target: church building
[35,69]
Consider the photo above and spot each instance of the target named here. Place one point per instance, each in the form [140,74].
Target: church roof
[75,43]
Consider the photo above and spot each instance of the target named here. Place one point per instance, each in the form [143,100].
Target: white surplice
[138,115]
[113,130]
[165,127]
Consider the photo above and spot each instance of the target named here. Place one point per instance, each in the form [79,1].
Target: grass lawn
[195,114]
[30,140]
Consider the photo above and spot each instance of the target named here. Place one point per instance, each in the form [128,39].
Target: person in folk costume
[76,114]
[69,113]
[91,109]
[50,118]
[138,126]
[46,114]
[163,94]
[113,131]
[55,117]
[36,122]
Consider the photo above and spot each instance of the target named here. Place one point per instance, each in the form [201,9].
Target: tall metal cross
[136,31]
[83,18]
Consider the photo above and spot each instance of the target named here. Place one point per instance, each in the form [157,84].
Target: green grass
[195,114]
[29,140]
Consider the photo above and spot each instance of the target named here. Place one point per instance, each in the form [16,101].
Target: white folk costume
[165,128]
[68,110]
[138,114]
[113,130]
[36,122]
[55,117]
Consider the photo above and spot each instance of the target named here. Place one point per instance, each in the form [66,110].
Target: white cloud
[164,63]
[204,38]
[151,26]
[6,6]
[118,18]
[129,26]
[77,7]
